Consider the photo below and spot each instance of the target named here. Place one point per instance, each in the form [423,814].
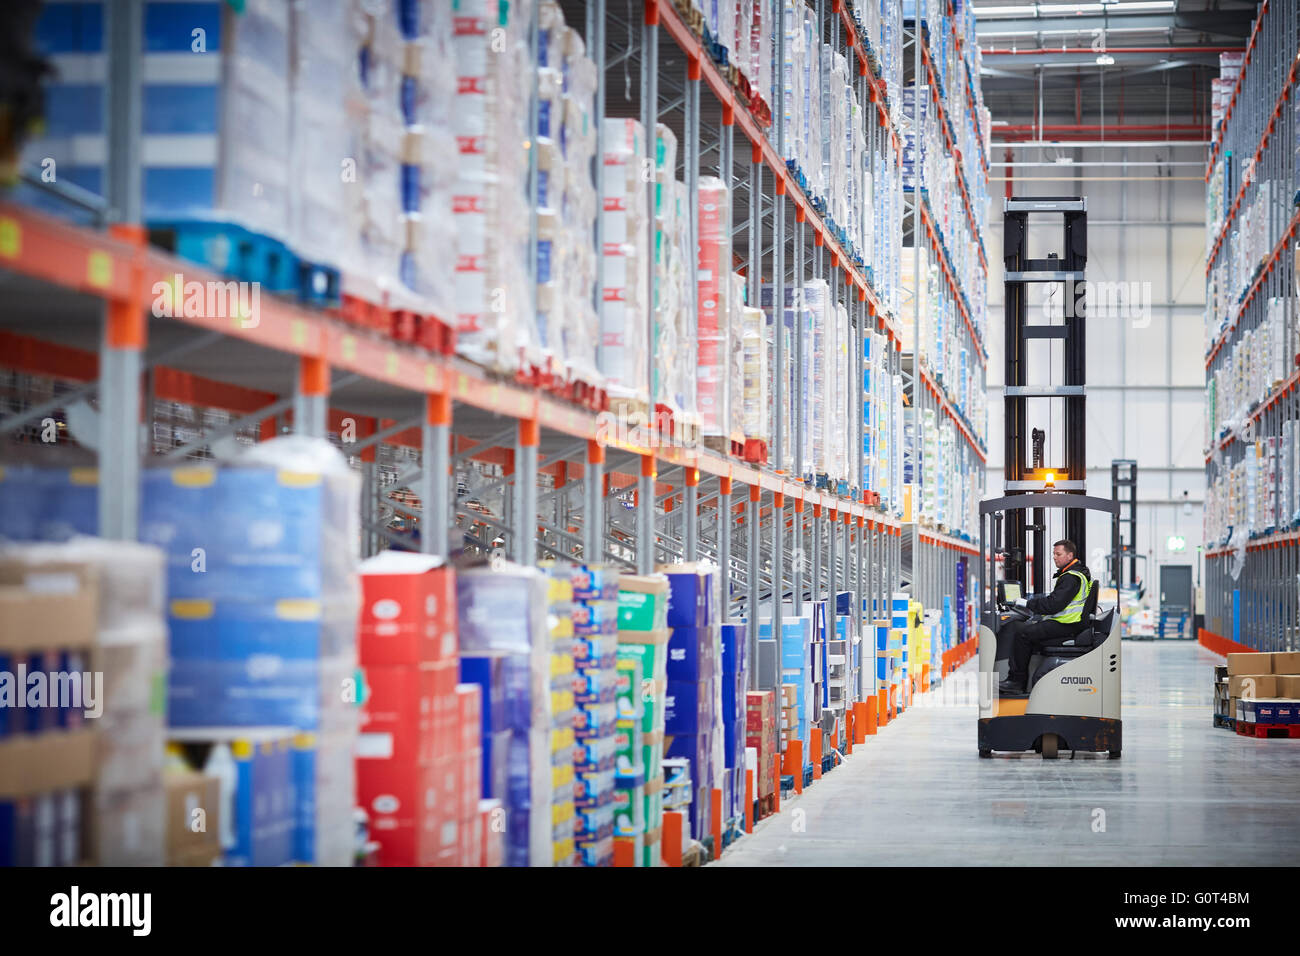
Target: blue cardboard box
[733,748]
[486,670]
[733,647]
[688,707]
[48,504]
[844,602]
[690,654]
[733,697]
[688,603]
[264,815]
[243,664]
[247,533]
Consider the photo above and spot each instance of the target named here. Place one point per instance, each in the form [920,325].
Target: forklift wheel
[1049,746]
[1114,755]
[986,753]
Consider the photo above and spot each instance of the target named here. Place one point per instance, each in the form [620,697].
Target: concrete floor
[1183,793]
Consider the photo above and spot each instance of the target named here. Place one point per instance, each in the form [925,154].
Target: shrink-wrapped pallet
[713,305]
[494,320]
[625,309]
[756,375]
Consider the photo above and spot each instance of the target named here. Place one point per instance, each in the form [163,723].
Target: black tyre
[1049,746]
[986,753]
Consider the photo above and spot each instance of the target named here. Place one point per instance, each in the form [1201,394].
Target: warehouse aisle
[1184,793]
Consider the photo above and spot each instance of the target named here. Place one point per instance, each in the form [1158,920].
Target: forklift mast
[1022,476]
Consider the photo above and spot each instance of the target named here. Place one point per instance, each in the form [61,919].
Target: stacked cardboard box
[129,795]
[675,343]
[193,814]
[595,694]
[560,620]
[1263,687]
[48,623]
[692,719]
[594,716]
[505,646]
[756,380]
[643,640]
[261,568]
[626,262]
[414,751]
[215,123]
[790,715]
[257,813]
[734,678]
[714,307]
[760,740]
[568,326]
[629,770]
[797,679]
[495,323]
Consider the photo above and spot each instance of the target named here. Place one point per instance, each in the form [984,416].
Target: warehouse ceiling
[1094,64]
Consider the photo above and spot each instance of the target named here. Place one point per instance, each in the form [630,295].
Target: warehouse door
[1175,588]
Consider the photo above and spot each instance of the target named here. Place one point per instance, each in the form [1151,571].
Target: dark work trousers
[1026,638]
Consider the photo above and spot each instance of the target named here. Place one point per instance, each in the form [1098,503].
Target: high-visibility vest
[1074,610]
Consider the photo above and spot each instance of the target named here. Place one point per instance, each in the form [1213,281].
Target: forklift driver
[1062,617]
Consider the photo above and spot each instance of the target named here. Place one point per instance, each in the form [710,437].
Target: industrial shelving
[932,555]
[1252,549]
[472,454]
[576,485]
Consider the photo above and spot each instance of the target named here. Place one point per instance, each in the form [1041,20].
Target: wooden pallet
[724,445]
[695,855]
[691,16]
[625,408]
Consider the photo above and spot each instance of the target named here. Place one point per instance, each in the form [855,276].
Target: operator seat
[1094,634]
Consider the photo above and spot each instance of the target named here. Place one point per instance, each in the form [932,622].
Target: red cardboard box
[469,716]
[406,808]
[471,840]
[450,773]
[405,718]
[471,783]
[408,610]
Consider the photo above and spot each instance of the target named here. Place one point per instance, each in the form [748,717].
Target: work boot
[1012,688]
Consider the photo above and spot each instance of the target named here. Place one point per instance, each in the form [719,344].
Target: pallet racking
[932,40]
[1252,547]
[471,454]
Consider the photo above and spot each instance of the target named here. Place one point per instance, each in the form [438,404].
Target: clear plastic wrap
[757,382]
[625,310]
[736,358]
[495,325]
[503,610]
[713,288]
